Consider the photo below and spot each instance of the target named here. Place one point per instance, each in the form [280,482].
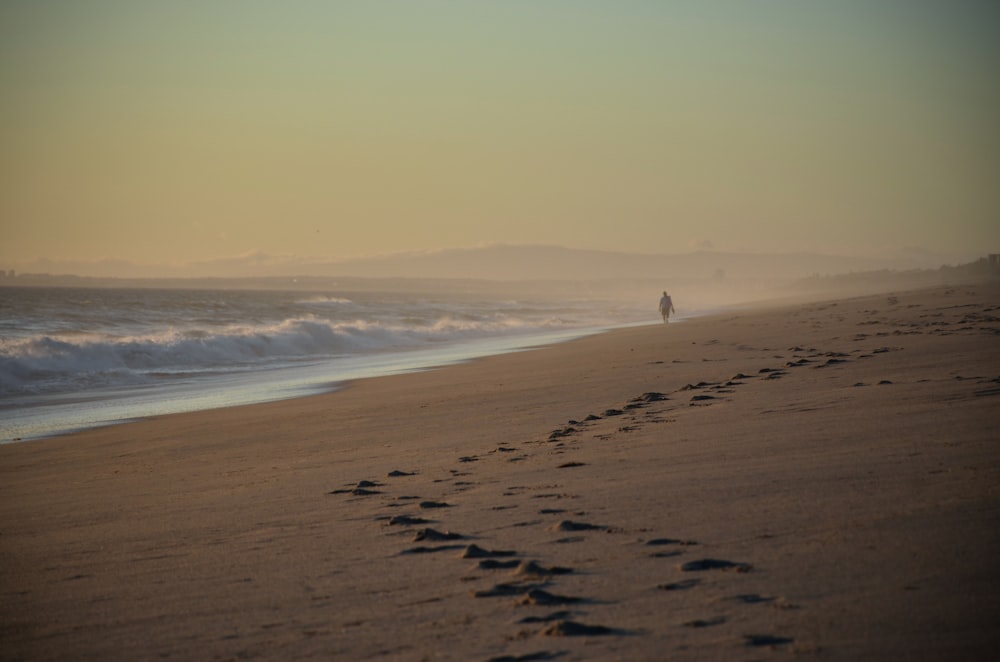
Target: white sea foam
[75,358]
[45,363]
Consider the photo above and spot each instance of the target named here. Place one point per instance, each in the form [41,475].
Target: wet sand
[818,480]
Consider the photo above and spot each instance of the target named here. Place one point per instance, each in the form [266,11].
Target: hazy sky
[167,132]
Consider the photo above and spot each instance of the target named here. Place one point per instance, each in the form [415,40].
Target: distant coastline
[717,287]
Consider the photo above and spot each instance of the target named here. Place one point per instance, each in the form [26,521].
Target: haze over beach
[329,330]
[148,138]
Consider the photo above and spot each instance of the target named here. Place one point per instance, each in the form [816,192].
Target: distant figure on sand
[666,306]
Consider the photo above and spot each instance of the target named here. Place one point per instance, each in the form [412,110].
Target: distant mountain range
[701,280]
[505,263]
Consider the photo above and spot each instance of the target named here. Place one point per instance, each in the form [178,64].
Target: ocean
[75,358]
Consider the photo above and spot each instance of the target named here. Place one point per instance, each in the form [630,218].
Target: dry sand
[818,481]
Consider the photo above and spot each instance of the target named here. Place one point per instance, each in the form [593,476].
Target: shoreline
[322,377]
[816,479]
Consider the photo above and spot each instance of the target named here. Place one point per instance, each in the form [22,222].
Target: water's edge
[73,413]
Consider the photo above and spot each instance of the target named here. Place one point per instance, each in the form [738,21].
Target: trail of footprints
[532,586]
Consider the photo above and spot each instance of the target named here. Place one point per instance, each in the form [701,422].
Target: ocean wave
[324,300]
[70,362]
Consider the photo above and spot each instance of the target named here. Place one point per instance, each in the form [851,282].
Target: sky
[191,131]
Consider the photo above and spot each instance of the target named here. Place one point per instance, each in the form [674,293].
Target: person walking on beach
[666,306]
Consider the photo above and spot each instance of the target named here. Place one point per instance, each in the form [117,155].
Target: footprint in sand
[493,564]
[477,552]
[363,488]
[541,597]
[426,505]
[715,564]
[570,539]
[751,599]
[539,656]
[680,586]
[574,629]
[356,491]
[666,555]
[407,520]
[554,616]
[656,542]
[765,640]
[533,569]
[430,550]
[505,590]
[569,525]
[704,623]
[434,535]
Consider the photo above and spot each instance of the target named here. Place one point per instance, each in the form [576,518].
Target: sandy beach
[816,480]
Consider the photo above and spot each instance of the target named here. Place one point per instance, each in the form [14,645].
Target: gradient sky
[169,132]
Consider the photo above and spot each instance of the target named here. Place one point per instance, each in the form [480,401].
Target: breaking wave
[52,363]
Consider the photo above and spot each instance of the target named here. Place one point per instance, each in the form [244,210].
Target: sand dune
[817,480]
